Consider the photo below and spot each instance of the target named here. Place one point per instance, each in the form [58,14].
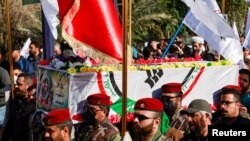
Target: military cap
[171,88]
[56,117]
[151,104]
[99,99]
[234,87]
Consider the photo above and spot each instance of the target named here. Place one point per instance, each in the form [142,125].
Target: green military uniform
[180,121]
[157,137]
[105,131]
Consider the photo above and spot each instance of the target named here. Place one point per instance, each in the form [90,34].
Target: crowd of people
[181,48]
[197,48]
[155,119]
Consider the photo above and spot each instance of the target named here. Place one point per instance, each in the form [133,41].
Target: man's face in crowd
[95,113]
[22,86]
[244,82]
[195,120]
[53,133]
[229,106]
[170,102]
[196,47]
[179,40]
[144,122]
[32,49]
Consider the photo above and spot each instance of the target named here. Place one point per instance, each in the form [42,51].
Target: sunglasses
[93,109]
[167,98]
[141,117]
[226,102]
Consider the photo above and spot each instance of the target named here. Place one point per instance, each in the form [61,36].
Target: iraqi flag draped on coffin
[93,25]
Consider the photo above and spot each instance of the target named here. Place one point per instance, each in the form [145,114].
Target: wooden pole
[223,4]
[124,65]
[130,19]
[8,29]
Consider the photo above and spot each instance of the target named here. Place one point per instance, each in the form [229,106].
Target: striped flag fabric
[50,10]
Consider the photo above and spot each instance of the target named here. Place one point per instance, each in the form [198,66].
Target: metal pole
[8,28]
[172,40]
[124,65]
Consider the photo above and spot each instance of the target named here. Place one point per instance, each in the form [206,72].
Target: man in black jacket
[230,109]
[4,87]
[20,110]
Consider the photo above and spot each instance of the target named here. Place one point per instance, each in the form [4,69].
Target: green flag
[26,2]
[117,106]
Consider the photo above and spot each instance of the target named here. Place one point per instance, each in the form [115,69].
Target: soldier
[98,127]
[58,125]
[148,121]
[172,102]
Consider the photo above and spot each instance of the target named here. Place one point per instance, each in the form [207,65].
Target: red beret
[99,99]
[151,104]
[57,116]
[171,88]
[235,87]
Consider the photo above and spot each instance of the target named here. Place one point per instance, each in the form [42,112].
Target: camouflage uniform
[105,131]
[178,126]
[180,121]
[157,137]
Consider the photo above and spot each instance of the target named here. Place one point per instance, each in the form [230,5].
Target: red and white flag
[93,24]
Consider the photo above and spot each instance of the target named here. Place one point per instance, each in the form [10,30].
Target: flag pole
[223,5]
[7,8]
[124,65]
[130,27]
[172,40]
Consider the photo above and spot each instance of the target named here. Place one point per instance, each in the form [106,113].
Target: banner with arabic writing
[198,82]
